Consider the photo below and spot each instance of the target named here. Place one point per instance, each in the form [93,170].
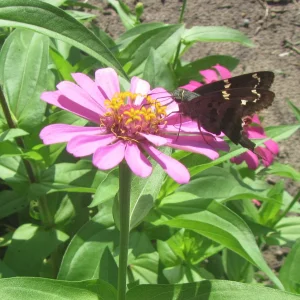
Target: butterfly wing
[224,110]
[259,80]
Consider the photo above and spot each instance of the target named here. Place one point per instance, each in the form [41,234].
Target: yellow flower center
[126,119]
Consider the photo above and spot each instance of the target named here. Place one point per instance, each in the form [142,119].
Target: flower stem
[45,214]
[124,204]
[289,207]
[182,11]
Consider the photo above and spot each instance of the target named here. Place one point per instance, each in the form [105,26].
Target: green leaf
[278,133]
[55,23]
[236,267]
[128,36]
[9,148]
[107,189]
[158,73]
[85,252]
[11,202]
[42,288]
[23,74]
[62,65]
[191,71]
[30,245]
[216,222]
[284,171]
[10,134]
[144,193]
[123,11]
[215,34]
[295,110]
[289,272]
[13,172]
[5,271]
[220,183]
[208,289]
[164,40]
[80,177]
[287,231]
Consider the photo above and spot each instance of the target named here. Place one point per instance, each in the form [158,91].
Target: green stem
[124,204]
[289,207]
[182,11]
[46,216]
[176,56]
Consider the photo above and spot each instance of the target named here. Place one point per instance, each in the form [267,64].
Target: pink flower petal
[87,84]
[139,86]
[255,119]
[57,99]
[137,161]
[110,156]
[272,146]
[224,73]
[75,93]
[255,132]
[209,75]
[249,157]
[60,133]
[172,167]
[108,82]
[84,145]
[191,86]
[154,139]
[197,144]
[266,155]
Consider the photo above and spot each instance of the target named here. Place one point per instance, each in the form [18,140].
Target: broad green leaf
[158,73]
[11,202]
[287,231]
[10,134]
[124,13]
[164,40]
[236,267]
[289,272]
[219,183]
[191,71]
[144,193]
[54,2]
[215,34]
[23,74]
[30,245]
[125,38]
[9,148]
[80,177]
[84,253]
[13,172]
[295,109]
[284,171]
[62,65]
[107,189]
[278,133]
[81,15]
[5,271]
[50,289]
[216,222]
[55,23]
[207,290]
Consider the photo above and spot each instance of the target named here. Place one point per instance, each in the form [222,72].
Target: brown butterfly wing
[223,111]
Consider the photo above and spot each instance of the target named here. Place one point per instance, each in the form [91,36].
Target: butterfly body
[223,105]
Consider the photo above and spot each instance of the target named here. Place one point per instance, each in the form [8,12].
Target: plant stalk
[45,214]
[124,204]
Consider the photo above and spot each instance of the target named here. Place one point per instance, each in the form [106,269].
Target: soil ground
[269,24]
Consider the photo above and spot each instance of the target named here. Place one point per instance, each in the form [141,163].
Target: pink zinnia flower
[253,132]
[267,153]
[128,125]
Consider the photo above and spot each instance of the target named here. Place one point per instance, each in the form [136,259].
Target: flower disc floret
[126,120]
